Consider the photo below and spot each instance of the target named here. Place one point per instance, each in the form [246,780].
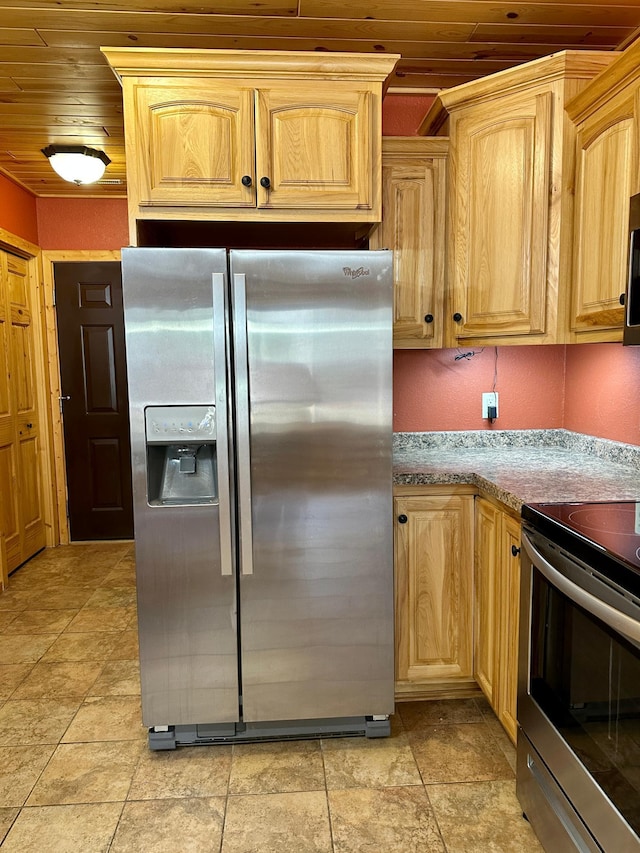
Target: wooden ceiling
[56,87]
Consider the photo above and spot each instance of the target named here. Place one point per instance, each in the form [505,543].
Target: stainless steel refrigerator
[260,404]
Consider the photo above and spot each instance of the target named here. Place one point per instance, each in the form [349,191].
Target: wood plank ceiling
[56,87]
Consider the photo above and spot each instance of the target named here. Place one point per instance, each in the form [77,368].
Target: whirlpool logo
[357,273]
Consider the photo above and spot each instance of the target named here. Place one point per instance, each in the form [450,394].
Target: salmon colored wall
[589,388]
[602,391]
[403,114]
[434,391]
[18,211]
[82,223]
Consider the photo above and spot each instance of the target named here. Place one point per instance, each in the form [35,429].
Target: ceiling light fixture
[77,163]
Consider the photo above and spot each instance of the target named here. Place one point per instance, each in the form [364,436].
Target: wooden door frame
[32,255]
[49,258]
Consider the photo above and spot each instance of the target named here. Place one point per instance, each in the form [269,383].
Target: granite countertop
[521,466]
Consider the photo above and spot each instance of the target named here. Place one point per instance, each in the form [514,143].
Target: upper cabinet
[512,159]
[261,136]
[606,116]
[413,225]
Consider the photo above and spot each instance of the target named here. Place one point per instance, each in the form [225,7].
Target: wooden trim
[464,688]
[427,490]
[49,258]
[436,117]
[623,72]
[257,64]
[567,64]
[18,245]
[4,572]
[499,505]
[428,146]
[50,513]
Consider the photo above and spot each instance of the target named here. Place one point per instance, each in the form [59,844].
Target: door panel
[96,417]
[500,214]
[315,145]
[606,167]
[186,601]
[20,476]
[9,503]
[317,612]
[199,143]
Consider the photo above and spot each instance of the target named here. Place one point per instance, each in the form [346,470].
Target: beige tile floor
[76,775]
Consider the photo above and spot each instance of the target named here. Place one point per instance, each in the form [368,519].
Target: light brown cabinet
[413,225]
[457,597]
[511,168]
[258,136]
[21,496]
[606,114]
[433,593]
[496,609]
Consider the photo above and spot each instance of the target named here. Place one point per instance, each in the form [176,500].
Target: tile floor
[76,775]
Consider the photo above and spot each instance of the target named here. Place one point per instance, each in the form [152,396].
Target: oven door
[578,701]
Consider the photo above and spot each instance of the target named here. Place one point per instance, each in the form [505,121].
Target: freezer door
[176,338]
[313,353]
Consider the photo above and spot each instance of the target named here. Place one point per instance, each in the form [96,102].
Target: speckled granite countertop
[521,466]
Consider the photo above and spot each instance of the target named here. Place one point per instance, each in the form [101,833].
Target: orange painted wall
[434,391]
[82,223]
[602,391]
[18,211]
[403,114]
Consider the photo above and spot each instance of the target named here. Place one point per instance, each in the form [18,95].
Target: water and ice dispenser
[181,455]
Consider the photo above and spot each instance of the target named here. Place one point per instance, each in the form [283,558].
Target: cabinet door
[413,225]
[434,564]
[487,538]
[500,162]
[605,163]
[191,144]
[497,601]
[509,603]
[315,145]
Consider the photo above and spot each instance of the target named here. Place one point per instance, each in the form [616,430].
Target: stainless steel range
[578,775]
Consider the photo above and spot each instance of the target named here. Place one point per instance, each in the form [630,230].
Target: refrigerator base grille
[206,735]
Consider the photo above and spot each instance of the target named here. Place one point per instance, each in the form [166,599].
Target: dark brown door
[95,405]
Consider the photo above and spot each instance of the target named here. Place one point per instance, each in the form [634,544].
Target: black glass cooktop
[606,535]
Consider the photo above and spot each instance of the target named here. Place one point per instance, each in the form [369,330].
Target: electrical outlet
[489,399]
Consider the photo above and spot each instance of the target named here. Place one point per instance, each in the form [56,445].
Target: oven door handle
[620,622]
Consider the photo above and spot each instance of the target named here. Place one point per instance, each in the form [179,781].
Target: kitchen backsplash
[586,388]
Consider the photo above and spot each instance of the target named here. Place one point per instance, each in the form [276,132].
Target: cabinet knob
[623,297]
[246,181]
[403,519]
[514,551]
[428,318]
[457,317]
[265,182]
[29,426]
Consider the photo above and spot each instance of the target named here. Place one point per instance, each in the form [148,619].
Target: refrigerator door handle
[222,438]
[243,445]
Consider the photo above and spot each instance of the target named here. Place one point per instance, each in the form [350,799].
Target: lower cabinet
[496,602]
[433,589]
[457,592]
